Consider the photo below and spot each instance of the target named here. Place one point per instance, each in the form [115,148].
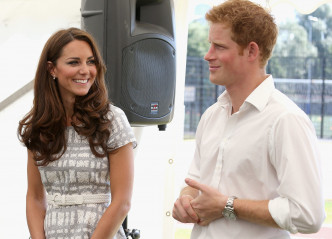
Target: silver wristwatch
[228,211]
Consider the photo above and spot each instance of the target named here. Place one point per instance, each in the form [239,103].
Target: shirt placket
[226,136]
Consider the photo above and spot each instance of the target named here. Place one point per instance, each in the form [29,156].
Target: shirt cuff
[280,212]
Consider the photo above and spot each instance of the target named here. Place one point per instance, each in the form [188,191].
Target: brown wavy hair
[249,22]
[43,129]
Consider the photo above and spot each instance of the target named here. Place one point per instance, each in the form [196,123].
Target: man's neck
[239,93]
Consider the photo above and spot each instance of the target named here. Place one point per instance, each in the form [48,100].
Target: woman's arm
[35,201]
[121,179]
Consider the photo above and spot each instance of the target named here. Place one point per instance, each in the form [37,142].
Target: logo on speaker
[154,108]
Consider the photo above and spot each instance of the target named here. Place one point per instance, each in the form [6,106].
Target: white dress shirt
[266,151]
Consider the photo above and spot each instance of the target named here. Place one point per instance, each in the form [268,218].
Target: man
[256,170]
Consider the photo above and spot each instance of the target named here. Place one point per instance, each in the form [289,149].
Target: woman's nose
[84,69]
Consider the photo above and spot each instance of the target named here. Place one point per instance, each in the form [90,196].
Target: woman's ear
[50,68]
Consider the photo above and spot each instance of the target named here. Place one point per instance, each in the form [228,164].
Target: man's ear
[253,51]
[50,68]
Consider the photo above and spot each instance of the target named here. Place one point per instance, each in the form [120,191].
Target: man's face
[225,62]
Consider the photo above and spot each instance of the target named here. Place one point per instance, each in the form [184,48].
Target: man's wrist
[229,212]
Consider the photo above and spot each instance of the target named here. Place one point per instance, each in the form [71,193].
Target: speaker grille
[148,78]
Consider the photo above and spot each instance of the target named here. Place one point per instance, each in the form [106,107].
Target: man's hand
[209,204]
[183,211]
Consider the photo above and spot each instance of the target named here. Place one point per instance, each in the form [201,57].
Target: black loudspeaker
[137,40]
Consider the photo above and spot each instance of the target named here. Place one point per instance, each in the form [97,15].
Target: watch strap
[228,211]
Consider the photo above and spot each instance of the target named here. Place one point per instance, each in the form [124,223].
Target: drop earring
[53,77]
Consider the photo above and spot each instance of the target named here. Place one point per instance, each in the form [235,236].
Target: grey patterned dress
[78,171]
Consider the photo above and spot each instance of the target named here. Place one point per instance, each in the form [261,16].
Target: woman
[80,147]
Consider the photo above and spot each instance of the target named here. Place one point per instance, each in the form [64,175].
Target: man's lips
[213,68]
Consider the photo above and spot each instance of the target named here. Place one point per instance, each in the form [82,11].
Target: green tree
[291,52]
[293,41]
[316,25]
[198,43]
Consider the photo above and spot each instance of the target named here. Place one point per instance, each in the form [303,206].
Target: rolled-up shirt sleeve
[295,156]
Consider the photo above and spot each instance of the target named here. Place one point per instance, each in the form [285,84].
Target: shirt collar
[258,98]
[224,99]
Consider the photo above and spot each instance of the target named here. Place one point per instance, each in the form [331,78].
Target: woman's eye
[92,62]
[72,63]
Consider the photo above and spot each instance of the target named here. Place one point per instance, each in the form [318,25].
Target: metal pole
[216,93]
[308,104]
[309,93]
[201,90]
[323,98]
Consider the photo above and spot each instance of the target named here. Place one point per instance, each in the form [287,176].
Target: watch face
[226,213]
[229,215]
[232,217]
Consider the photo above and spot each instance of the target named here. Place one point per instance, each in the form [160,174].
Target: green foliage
[306,40]
[198,43]
[318,24]
[292,45]
[292,41]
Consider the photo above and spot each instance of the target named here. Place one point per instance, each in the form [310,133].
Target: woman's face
[75,70]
